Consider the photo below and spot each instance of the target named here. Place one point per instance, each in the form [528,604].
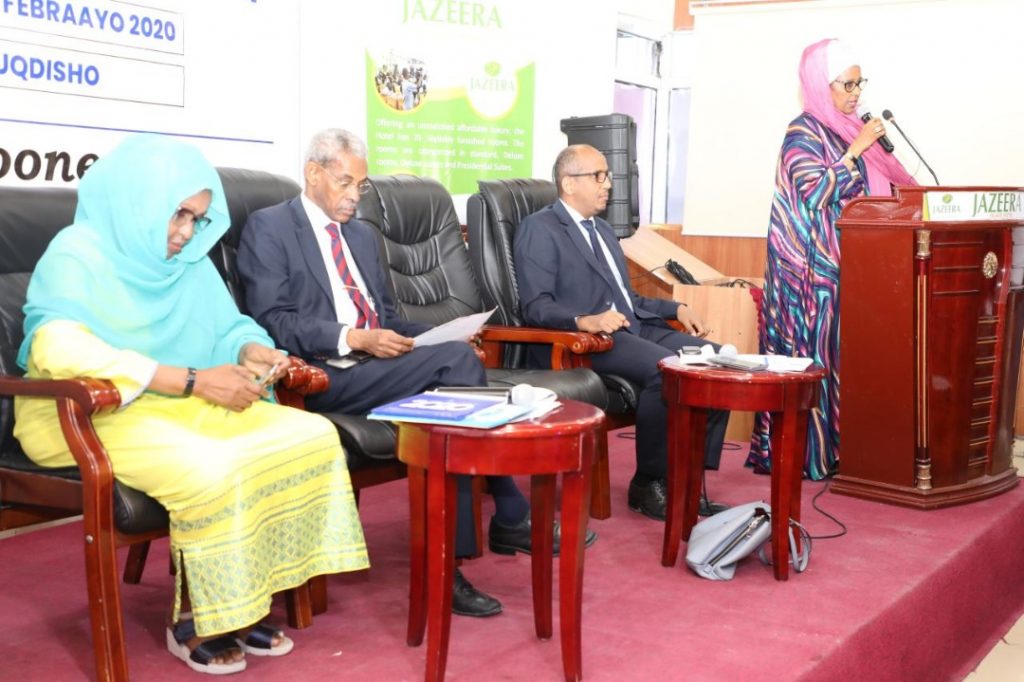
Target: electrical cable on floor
[814,503]
[631,435]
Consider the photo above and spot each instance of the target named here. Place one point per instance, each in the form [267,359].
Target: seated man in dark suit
[313,278]
[572,275]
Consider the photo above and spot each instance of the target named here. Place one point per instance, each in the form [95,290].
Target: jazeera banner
[991,204]
[449,96]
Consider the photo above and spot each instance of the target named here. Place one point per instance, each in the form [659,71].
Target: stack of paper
[774,363]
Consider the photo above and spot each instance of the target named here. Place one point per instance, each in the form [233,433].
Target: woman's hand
[259,359]
[869,133]
[230,386]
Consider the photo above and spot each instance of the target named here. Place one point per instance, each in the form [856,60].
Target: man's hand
[380,343]
[692,324]
[230,386]
[602,323]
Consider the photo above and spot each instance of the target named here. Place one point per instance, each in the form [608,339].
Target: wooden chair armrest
[301,380]
[78,400]
[568,349]
[579,343]
[95,396]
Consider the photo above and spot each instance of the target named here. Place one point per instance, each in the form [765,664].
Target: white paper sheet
[459,329]
[775,363]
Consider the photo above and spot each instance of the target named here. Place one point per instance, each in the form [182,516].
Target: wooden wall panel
[735,256]
[729,311]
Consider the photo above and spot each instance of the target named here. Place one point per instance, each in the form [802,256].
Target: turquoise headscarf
[109,270]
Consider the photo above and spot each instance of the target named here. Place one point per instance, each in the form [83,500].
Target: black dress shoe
[469,601]
[709,508]
[504,540]
[648,499]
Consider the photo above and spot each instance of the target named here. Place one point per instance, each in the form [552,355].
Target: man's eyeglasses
[363,187]
[600,176]
[850,85]
[184,216]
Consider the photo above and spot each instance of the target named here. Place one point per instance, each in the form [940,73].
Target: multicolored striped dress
[800,308]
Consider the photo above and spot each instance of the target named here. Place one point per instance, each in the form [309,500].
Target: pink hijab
[883,169]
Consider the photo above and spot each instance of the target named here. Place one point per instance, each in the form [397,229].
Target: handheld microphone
[884,142]
[887,115]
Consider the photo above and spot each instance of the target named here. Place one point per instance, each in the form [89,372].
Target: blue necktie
[620,300]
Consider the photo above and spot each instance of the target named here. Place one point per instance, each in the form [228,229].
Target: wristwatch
[190,382]
[851,156]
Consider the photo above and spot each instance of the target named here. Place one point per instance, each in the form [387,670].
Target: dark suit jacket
[559,277]
[286,285]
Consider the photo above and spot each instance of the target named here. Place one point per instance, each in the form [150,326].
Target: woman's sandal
[260,641]
[201,658]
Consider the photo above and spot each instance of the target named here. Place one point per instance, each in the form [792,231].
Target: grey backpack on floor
[719,542]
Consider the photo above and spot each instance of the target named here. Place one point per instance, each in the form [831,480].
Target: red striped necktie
[366,318]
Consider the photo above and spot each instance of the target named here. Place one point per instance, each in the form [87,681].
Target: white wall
[948,69]
[224,82]
[249,82]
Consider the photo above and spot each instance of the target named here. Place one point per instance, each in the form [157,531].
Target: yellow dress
[259,501]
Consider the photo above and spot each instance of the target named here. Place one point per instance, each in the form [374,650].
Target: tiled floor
[1005,663]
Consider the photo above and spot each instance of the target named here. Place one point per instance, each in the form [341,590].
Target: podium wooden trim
[930,348]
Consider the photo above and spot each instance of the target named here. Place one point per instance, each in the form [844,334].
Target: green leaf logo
[492,69]
[946,198]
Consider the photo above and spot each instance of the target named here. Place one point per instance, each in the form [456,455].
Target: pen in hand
[264,380]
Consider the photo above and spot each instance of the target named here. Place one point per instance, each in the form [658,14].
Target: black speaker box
[614,135]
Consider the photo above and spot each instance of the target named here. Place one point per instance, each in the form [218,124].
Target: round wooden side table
[692,390]
[560,442]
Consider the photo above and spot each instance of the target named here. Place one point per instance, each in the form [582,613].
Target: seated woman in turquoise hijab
[258,494]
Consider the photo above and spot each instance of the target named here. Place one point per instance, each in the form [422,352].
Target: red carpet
[905,595]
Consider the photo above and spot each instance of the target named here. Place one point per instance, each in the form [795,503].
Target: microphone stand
[887,115]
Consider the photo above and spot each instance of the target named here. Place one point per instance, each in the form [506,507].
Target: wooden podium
[932,313]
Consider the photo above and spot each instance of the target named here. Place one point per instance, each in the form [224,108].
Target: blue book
[474,411]
[436,406]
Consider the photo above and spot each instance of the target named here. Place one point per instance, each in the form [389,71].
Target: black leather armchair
[432,281]
[369,445]
[492,217]
[114,515]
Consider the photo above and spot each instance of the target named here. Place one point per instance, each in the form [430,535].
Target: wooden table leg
[542,502]
[417,556]
[676,479]
[695,470]
[796,470]
[600,498]
[786,465]
[441,496]
[575,492]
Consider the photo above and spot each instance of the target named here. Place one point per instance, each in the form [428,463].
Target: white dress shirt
[343,305]
[578,218]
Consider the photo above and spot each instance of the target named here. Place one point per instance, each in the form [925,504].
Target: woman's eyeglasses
[850,85]
[184,216]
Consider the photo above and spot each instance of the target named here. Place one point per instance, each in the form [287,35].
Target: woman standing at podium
[828,157]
